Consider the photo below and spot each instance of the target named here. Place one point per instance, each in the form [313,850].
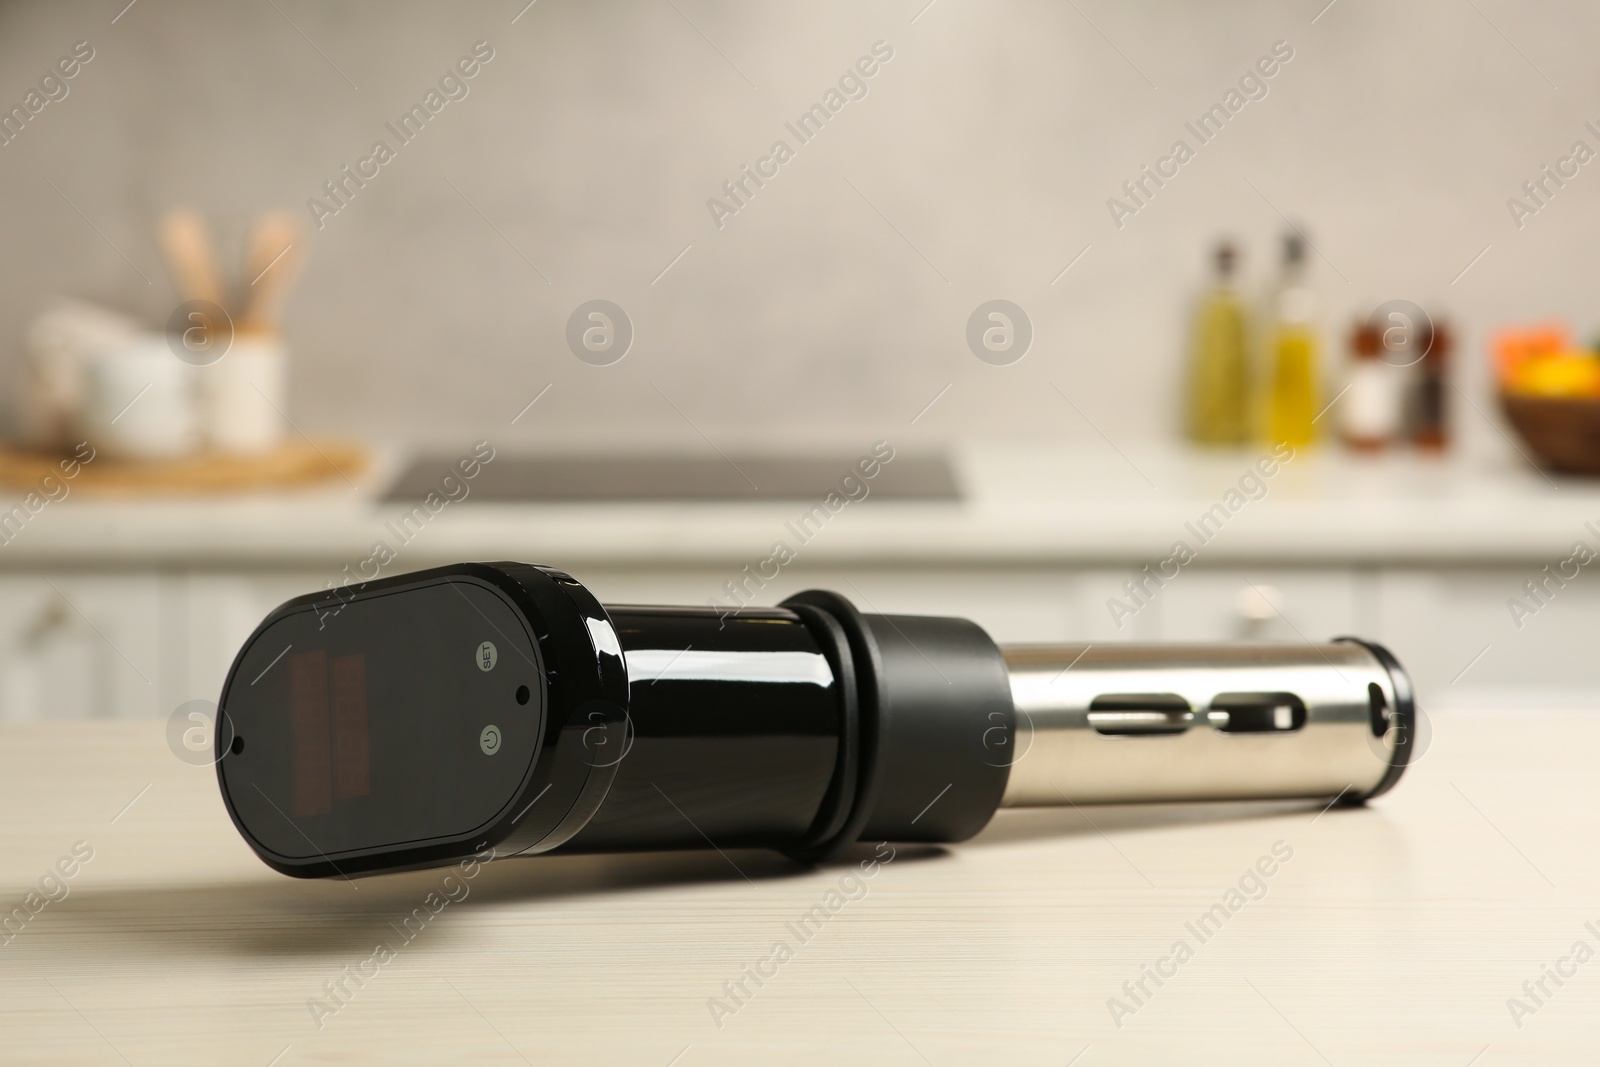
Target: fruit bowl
[1563,432]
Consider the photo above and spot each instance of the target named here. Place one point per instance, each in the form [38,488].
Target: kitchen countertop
[1395,933]
[1023,505]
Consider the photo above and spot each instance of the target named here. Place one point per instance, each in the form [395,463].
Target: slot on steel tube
[1257,713]
[1140,714]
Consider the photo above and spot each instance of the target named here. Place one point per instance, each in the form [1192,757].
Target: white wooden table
[1393,934]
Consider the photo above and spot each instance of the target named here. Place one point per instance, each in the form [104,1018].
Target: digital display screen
[392,719]
[328,729]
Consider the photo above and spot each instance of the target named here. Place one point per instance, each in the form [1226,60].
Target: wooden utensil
[272,264]
[189,251]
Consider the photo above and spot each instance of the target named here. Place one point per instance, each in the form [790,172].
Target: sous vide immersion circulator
[499,708]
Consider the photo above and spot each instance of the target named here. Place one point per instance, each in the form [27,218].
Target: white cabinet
[91,644]
[1449,625]
[83,646]
[1017,605]
[88,644]
[1227,604]
[1456,633]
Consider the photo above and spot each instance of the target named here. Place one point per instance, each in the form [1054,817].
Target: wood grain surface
[1395,933]
[293,464]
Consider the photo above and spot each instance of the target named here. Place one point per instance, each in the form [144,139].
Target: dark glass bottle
[1430,423]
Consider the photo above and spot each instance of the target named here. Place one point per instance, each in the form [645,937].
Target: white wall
[991,141]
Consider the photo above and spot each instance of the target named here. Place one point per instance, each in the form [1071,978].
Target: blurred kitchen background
[443,300]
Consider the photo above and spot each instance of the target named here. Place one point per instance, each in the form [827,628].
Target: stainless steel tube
[1105,724]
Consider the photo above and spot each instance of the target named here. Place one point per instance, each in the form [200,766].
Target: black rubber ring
[870,689]
[840,798]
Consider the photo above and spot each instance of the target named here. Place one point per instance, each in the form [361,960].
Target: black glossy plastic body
[734,732]
[801,728]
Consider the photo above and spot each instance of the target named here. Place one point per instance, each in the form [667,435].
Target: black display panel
[399,718]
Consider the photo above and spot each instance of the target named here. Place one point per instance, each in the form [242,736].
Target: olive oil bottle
[1293,352]
[1219,369]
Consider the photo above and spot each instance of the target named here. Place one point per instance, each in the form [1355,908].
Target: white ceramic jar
[140,402]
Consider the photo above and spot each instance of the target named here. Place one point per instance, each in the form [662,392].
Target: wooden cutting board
[291,465]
